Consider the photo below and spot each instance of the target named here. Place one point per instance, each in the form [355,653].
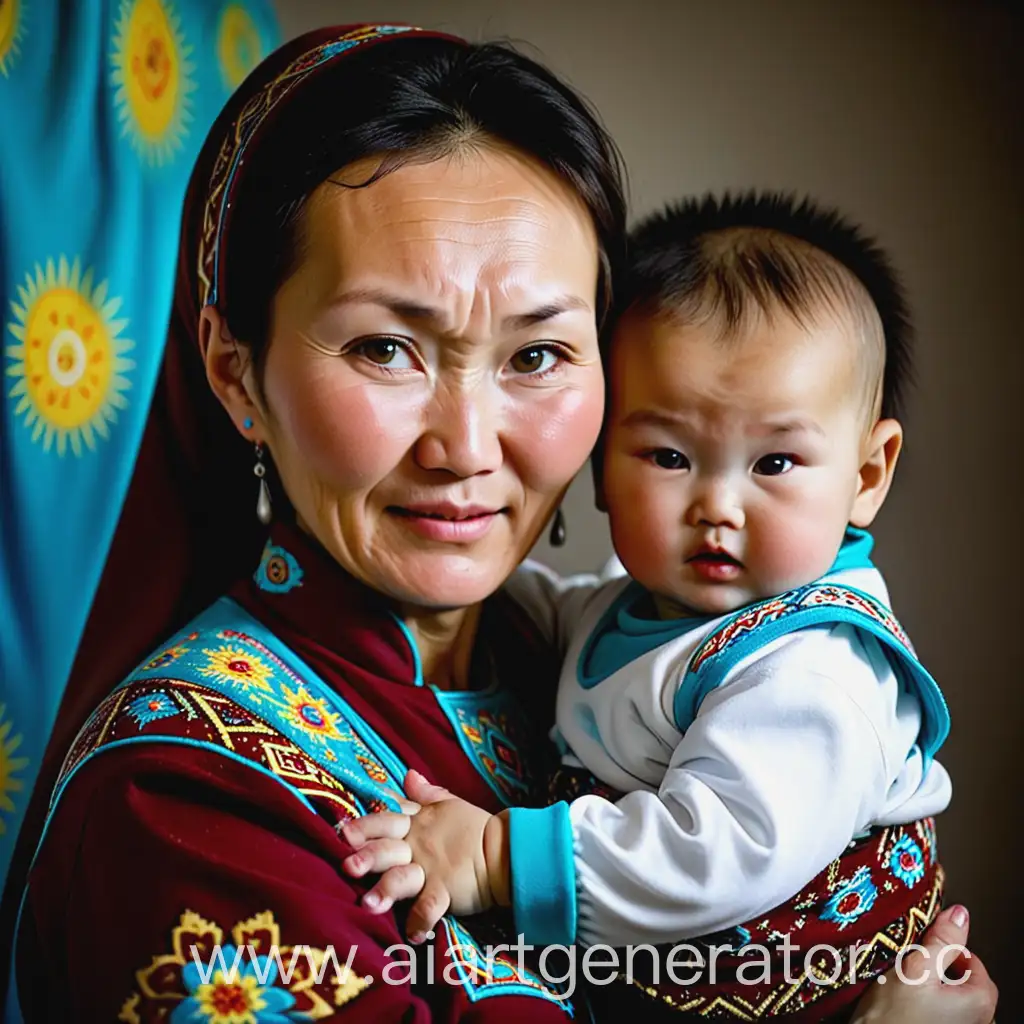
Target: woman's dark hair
[408,99]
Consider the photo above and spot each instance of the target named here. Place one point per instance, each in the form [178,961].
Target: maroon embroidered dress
[199,807]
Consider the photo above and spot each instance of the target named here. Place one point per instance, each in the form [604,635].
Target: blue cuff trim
[543,874]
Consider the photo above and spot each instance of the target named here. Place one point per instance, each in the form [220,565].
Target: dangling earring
[264,513]
[557,534]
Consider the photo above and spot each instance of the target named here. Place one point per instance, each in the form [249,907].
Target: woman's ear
[878,464]
[229,371]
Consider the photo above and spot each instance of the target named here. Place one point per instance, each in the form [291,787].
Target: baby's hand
[451,854]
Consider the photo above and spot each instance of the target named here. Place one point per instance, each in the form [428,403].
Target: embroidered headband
[231,156]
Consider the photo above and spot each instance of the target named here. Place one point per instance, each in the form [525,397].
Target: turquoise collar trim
[418,680]
[621,637]
[855,551]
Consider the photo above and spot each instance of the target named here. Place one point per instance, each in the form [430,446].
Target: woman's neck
[444,640]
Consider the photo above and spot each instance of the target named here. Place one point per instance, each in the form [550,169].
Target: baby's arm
[556,603]
[779,769]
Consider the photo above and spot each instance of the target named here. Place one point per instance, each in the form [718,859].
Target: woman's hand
[448,853]
[969,997]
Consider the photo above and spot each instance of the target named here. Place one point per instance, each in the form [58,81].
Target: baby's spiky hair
[728,255]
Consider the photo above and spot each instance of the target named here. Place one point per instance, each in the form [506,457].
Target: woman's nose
[461,435]
[714,502]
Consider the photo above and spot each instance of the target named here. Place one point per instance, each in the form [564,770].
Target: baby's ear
[879,454]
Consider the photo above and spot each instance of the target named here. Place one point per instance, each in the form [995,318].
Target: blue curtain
[104,105]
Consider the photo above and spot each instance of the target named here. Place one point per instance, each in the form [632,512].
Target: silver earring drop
[557,534]
[264,512]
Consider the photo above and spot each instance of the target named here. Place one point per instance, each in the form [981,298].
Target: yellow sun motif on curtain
[10,34]
[239,47]
[153,75]
[68,363]
[9,767]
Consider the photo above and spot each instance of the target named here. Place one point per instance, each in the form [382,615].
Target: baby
[761,735]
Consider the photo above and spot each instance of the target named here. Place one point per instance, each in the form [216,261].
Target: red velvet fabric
[149,837]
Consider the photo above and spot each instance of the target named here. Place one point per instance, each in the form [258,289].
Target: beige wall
[901,114]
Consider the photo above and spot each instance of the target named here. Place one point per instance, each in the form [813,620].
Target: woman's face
[433,381]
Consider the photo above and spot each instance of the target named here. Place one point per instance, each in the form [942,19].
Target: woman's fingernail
[959,916]
[355,862]
[371,900]
[417,938]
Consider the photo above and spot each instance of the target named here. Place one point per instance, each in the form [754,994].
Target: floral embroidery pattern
[206,979]
[491,736]
[245,991]
[168,656]
[150,707]
[853,899]
[907,862]
[841,907]
[310,714]
[278,571]
[238,694]
[214,721]
[230,664]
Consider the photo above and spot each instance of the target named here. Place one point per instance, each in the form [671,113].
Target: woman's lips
[447,523]
[717,566]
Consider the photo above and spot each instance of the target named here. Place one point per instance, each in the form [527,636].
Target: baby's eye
[773,465]
[668,458]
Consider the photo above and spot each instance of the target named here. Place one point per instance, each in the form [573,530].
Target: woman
[396,255]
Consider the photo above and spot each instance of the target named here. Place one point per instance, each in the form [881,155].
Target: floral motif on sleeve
[246,977]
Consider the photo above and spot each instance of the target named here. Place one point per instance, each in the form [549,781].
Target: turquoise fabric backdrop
[104,105]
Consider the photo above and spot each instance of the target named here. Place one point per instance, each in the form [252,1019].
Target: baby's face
[731,467]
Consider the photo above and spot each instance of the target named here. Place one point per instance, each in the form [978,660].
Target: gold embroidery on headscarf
[253,114]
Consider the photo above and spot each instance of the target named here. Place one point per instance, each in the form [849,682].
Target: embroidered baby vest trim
[816,604]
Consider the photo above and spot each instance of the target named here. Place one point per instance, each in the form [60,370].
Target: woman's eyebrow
[411,309]
[563,304]
[408,309]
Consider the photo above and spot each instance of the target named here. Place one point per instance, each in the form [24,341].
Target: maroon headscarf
[188,527]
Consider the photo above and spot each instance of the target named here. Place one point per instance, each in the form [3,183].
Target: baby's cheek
[798,550]
[647,534]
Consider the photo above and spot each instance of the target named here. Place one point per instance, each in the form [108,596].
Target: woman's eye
[668,458]
[387,352]
[773,465]
[534,360]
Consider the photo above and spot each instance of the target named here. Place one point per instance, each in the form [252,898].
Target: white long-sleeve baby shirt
[750,749]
